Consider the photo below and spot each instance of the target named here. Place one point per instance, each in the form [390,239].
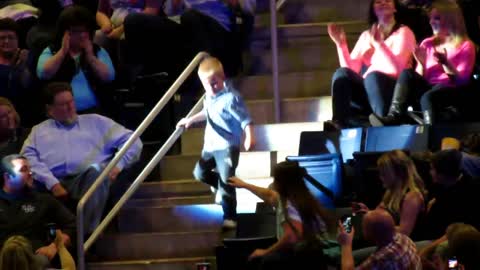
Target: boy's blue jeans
[225,162]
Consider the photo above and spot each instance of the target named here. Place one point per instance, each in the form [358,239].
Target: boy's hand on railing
[184,122]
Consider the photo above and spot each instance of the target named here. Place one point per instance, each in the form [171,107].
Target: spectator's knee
[342,73]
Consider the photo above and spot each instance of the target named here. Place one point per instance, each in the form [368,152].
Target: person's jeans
[78,185]
[351,92]
[225,162]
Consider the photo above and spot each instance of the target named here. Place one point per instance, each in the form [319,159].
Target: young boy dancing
[227,119]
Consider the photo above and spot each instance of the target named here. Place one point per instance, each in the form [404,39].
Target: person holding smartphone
[73,58]
[404,196]
[393,250]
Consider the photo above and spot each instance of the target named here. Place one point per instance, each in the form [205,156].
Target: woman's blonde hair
[17,254]
[8,103]
[406,177]
[452,14]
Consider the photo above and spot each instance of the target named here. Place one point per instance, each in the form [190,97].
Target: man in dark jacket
[27,213]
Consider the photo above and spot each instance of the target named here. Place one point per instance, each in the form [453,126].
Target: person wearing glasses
[73,58]
[15,77]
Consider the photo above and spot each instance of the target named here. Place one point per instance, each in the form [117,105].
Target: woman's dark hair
[471,143]
[8,24]
[289,183]
[74,16]
[372,17]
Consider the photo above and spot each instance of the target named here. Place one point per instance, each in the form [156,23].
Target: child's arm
[187,122]
[249,137]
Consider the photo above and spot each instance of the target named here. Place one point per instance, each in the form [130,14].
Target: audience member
[17,253]
[24,13]
[73,58]
[300,218]
[15,77]
[456,197]
[444,63]
[203,26]
[25,212]
[69,151]
[404,196]
[435,254]
[394,250]
[12,135]
[384,50]
[465,247]
[227,119]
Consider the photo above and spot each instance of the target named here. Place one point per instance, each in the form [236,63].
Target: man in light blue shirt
[69,151]
[227,119]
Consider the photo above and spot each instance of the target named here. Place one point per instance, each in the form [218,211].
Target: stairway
[172,223]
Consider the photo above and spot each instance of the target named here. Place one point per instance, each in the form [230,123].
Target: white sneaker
[229,224]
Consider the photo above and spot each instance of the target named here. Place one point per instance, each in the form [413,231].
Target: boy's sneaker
[229,224]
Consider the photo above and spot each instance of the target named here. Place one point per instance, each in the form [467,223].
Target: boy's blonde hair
[211,66]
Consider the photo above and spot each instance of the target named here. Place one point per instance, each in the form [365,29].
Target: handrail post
[274,47]
[81,248]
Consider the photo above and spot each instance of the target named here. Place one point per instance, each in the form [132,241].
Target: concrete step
[170,201]
[251,164]
[271,137]
[145,246]
[313,109]
[166,189]
[301,48]
[180,218]
[291,85]
[300,11]
[157,264]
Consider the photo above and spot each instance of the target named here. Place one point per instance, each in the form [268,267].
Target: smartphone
[453,264]
[203,266]
[51,232]
[347,224]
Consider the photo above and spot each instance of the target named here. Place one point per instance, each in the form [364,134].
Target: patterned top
[401,254]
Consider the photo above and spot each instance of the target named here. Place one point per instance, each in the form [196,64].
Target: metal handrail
[83,247]
[274,47]
[280,4]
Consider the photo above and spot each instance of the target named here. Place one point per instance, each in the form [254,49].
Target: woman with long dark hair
[300,217]
[74,59]
[367,75]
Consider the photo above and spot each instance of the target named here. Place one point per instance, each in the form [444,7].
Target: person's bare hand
[106,29]
[441,57]
[420,55]
[48,251]
[257,253]
[65,42]
[113,174]
[376,35]
[116,33]
[59,192]
[87,46]
[236,182]
[337,34]
[184,122]
[344,238]
[21,58]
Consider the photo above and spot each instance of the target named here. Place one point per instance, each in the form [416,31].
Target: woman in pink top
[367,75]
[445,62]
